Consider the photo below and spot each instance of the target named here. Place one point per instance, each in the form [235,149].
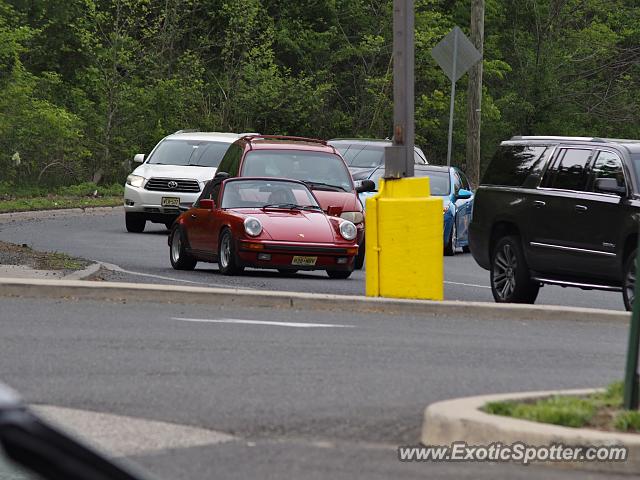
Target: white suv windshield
[317,169]
[196,153]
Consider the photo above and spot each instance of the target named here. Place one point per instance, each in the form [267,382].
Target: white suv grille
[172,185]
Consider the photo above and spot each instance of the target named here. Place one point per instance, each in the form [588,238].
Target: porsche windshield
[265,193]
[318,169]
[195,153]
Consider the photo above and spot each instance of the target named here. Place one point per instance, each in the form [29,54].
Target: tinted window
[439,182]
[230,163]
[362,156]
[607,165]
[568,171]
[512,164]
[371,155]
[317,167]
[189,152]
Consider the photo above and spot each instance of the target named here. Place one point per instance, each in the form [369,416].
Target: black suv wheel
[510,280]
[629,282]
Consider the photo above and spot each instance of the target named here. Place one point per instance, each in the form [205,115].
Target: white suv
[174,172]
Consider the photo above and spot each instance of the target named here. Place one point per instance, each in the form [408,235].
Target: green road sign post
[631,372]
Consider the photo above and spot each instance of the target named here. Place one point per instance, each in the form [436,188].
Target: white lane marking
[261,322]
[467,284]
[123,436]
[116,268]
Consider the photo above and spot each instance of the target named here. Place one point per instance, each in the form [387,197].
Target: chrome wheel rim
[225,251]
[630,282]
[504,272]
[176,246]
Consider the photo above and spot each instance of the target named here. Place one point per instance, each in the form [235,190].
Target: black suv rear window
[512,164]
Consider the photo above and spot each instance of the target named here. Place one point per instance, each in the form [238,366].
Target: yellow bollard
[404,241]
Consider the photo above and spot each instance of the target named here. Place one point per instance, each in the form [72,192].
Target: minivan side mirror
[138,158]
[609,185]
[365,186]
[464,194]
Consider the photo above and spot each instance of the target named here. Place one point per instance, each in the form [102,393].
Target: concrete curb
[10,287]
[461,420]
[82,274]
[62,212]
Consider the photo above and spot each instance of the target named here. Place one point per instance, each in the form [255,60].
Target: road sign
[456,55]
[456,46]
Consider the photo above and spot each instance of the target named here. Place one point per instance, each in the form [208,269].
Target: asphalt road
[330,401]
[145,258]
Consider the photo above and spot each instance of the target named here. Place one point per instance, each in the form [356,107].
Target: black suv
[558,210]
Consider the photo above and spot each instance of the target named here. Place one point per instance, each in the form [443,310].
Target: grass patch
[602,410]
[12,254]
[84,195]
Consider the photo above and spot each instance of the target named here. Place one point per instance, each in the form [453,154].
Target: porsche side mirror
[138,158]
[365,186]
[609,185]
[43,449]
[207,204]
[463,194]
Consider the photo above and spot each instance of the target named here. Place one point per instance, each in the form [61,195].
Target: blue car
[452,185]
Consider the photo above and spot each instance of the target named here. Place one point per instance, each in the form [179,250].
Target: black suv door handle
[581,208]
[539,203]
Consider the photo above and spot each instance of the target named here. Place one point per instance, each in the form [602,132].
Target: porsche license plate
[304,261]
[170,201]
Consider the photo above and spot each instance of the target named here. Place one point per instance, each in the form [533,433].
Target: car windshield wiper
[320,185]
[292,206]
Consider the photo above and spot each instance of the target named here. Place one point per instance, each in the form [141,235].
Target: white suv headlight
[135,181]
[348,230]
[252,226]
[353,217]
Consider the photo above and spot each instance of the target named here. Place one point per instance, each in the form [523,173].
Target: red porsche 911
[262,223]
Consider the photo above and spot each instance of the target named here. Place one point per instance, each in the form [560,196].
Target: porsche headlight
[348,230]
[353,217]
[135,181]
[252,226]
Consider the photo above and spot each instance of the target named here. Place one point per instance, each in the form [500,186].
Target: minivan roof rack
[251,137]
[572,139]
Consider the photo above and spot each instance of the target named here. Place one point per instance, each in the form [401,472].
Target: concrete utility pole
[399,157]
[475,95]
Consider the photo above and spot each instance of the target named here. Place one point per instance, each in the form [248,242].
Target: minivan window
[512,164]
[568,171]
[307,166]
[195,153]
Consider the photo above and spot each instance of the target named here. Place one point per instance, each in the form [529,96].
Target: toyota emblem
[172,184]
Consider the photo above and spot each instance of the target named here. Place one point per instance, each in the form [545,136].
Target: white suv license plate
[304,261]
[170,201]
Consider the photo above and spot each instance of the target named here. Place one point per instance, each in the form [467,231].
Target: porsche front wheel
[228,262]
[180,258]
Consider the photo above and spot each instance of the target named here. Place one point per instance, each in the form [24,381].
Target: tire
[339,274]
[450,247]
[629,281]
[135,222]
[180,258]
[359,261]
[509,274]
[466,249]
[228,262]
[168,225]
